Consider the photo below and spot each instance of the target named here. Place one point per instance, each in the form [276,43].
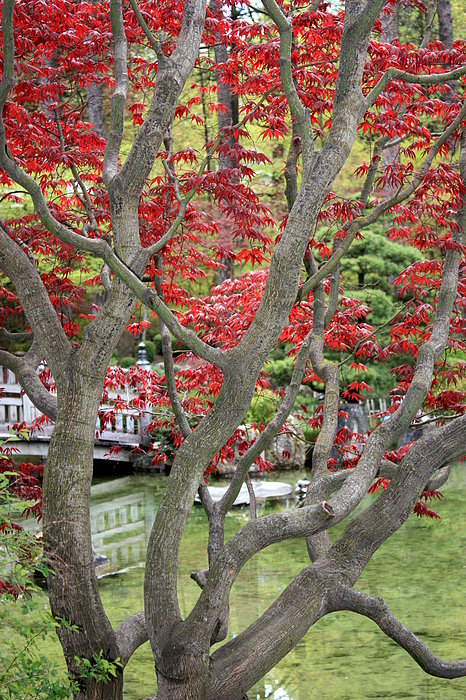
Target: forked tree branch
[11,337]
[309,596]
[312,519]
[153,40]
[130,635]
[360,222]
[99,247]
[171,76]
[180,415]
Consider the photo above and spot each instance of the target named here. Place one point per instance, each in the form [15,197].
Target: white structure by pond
[263,490]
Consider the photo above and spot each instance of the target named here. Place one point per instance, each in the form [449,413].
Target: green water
[419,572]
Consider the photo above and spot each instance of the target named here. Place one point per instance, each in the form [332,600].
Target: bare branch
[84,197]
[328,371]
[153,40]
[171,76]
[431,12]
[35,302]
[252,498]
[344,598]
[312,519]
[297,109]
[9,337]
[105,277]
[269,432]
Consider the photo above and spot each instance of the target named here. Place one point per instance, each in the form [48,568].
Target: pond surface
[419,572]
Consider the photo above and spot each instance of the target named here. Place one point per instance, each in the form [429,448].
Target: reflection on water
[343,656]
[121,523]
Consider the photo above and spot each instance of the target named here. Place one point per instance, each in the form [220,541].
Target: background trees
[129,215]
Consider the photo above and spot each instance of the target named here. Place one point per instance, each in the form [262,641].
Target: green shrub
[157,340]
[280,371]
[280,352]
[150,350]
[263,408]
[126,362]
[310,433]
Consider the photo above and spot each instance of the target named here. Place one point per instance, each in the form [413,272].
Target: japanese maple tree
[148,219]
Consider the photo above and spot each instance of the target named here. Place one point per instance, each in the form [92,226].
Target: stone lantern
[142,360]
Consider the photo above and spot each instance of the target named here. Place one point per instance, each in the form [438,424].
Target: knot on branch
[327,508]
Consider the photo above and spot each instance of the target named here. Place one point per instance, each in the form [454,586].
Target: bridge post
[145,416]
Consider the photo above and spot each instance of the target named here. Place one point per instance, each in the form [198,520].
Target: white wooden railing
[16,407]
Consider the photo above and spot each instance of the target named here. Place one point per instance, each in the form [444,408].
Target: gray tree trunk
[67,537]
[445,34]
[227,116]
[445,22]
[95,109]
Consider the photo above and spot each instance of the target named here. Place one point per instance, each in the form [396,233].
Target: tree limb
[9,337]
[265,438]
[398,74]
[130,635]
[297,109]
[171,77]
[25,370]
[309,596]
[35,301]
[153,40]
[117,118]
[345,598]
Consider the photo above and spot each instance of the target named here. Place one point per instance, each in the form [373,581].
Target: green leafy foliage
[263,408]
[374,260]
[98,668]
[25,672]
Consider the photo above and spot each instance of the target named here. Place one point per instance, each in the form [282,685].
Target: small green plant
[25,672]
[98,668]
[20,498]
[263,408]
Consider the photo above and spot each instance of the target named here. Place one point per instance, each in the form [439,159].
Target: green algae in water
[419,572]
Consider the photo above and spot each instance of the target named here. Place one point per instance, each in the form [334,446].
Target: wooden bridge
[128,432]
[15,407]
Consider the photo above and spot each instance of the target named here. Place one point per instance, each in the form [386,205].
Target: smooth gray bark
[95,109]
